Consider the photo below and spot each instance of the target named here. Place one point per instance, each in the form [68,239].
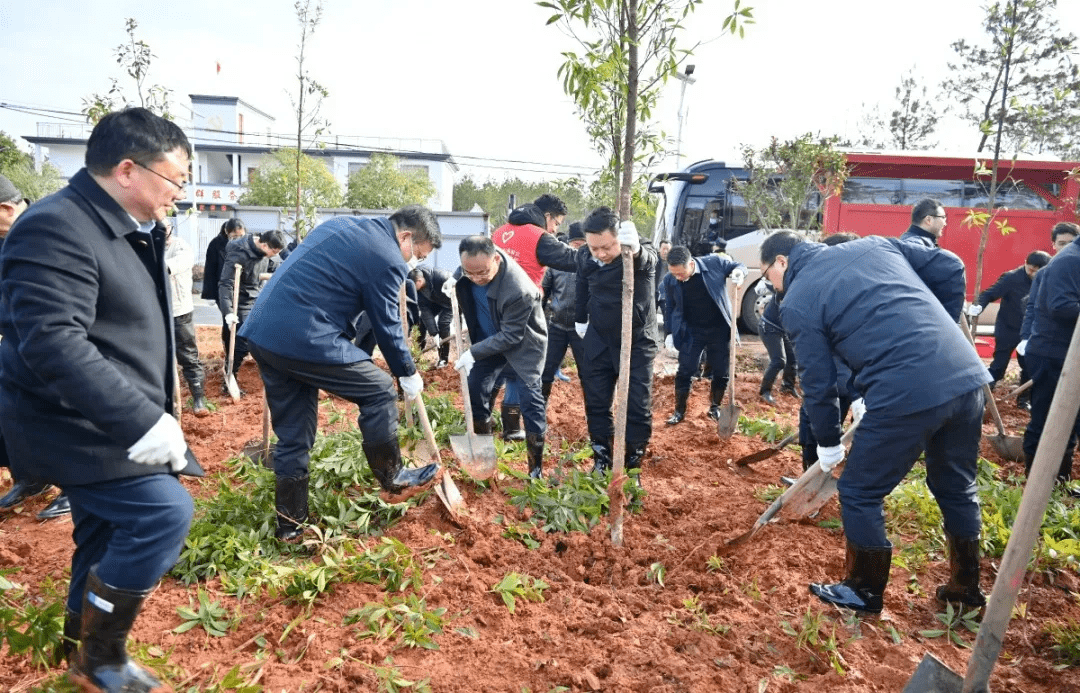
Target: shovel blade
[1009,447]
[421,453]
[448,494]
[258,453]
[476,454]
[813,499]
[932,676]
[232,387]
[728,420]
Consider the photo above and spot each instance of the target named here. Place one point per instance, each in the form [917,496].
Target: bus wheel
[751,309]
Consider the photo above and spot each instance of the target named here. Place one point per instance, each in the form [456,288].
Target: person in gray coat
[502,308]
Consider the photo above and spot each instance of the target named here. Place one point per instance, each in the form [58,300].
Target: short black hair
[1064,227]
[777,243]
[679,256]
[666,240]
[421,221]
[476,245]
[550,204]
[133,133]
[275,239]
[838,238]
[924,208]
[416,275]
[575,232]
[602,219]
[1037,258]
[232,225]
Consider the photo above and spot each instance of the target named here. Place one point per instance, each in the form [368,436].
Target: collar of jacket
[920,231]
[115,218]
[800,255]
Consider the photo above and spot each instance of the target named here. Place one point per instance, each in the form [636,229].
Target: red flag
[219,68]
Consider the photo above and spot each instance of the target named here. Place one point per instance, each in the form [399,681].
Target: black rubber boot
[385,462]
[101,663]
[1023,401]
[635,453]
[767,396]
[545,389]
[534,448]
[291,505]
[482,426]
[680,407]
[20,491]
[69,643]
[963,585]
[198,400]
[864,587]
[59,507]
[444,354]
[601,457]
[716,396]
[511,423]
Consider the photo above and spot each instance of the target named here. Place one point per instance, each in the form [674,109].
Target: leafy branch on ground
[575,505]
[405,615]
[954,619]
[516,586]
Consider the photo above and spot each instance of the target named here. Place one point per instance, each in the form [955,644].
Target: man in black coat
[1012,288]
[502,309]
[560,289]
[435,312]
[86,364]
[927,223]
[888,309]
[253,254]
[599,322]
[215,259]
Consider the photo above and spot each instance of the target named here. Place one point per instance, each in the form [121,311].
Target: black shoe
[291,506]
[534,448]
[20,491]
[635,453]
[1023,402]
[101,663]
[511,423]
[789,389]
[714,412]
[963,585]
[787,481]
[59,507]
[385,462]
[681,396]
[601,457]
[225,390]
[767,396]
[864,587]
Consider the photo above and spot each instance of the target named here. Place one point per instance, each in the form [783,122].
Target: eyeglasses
[938,216]
[486,272]
[765,272]
[179,186]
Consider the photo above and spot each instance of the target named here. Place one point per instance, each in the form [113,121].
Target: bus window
[1011,194]
[948,192]
[872,191]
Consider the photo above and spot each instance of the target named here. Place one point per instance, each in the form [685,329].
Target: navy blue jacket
[599,302]
[1029,311]
[888,309]
[87,353]
[309,309]
[918,234]
[1057,304]
[714,270]
[1012,288]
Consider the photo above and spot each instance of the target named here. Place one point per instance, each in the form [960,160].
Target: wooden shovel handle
[466,400]
[986,388]
[232,328]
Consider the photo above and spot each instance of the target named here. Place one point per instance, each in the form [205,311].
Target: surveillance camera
[689,70]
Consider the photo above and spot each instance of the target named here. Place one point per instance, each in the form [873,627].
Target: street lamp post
[685,78]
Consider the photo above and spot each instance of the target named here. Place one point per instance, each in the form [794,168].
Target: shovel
[230,378]
[768,452]
[1023,388]
[932,676]
[446,490]
[260,451]
[728,420]
[1009,447]
[475,453]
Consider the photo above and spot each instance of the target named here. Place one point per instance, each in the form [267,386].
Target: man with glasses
[502,308]
[86,364]
[927,223]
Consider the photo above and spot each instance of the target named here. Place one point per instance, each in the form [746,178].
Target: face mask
[413,262]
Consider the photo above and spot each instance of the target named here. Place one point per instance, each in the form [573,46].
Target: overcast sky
[481,74]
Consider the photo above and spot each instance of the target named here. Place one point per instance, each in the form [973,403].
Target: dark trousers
[781,358]
[807,441]
[1004,344]
[292,393]
[483,377]
[885,449]
[131,529]
[715,341]
[442,321]
[242,349]
[559,338]
[1045,372]
[187,349]
[599,373]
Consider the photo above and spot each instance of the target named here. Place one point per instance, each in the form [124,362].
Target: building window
[356,167]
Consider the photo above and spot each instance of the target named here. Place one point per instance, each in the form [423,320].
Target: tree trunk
[627,181]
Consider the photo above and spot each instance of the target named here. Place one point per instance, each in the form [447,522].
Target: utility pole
[685,78]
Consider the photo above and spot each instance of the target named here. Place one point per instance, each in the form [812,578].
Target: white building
[230,138]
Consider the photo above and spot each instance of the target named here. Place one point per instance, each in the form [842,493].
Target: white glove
[438,341]
[448,287]
[737,276]
[628,236]
[858,409]
[828,458]
[465,362]
[411,385]
[762,288]
[162,444]
[581,328]
[1022,347]
[974,309]
[669,344]
[231,319]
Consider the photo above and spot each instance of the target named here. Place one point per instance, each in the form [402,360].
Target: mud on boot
[963,584]
[864,587]
[385,462]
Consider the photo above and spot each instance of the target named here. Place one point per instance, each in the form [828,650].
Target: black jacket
[215,259]
[599,301]
[920,235]
[241,251]
[87,349]
[1056,305]
[550,251]
[560,289]
[888,309]
[431,300]
[1012,288]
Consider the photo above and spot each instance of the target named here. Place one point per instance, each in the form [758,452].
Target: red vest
[519,242]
